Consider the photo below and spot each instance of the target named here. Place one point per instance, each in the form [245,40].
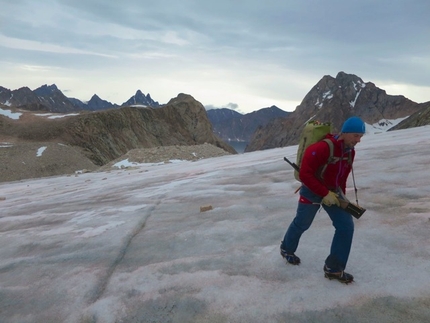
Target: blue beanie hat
[353,125]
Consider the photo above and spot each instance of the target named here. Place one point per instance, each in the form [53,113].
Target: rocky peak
[334,100]
[181,98]
[46,90]
[345,88]
[18,98]
[96,103]
[45,98]
[141,99]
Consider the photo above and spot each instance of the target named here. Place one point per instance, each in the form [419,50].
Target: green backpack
[313,132]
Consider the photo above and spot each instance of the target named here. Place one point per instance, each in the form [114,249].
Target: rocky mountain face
[218,116]
[97,104]
[22,97]
[108,134]
[51,99]
[45,98]
[334,100]
[418,119]
[230,125]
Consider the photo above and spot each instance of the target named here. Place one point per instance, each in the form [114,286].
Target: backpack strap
[331,148]
[331,159]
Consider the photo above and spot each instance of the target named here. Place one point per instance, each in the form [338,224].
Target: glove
[330,199]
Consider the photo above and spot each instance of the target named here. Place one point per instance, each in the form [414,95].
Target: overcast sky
[244,55]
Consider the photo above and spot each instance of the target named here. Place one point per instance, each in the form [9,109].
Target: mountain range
[332,99]
[105,135]
[231,125]
[49,98]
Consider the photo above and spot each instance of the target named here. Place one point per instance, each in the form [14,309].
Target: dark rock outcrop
[418,119]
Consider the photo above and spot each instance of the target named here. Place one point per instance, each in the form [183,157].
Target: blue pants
[342,222]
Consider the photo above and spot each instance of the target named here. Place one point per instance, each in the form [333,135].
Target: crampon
[290,258]
[341,276]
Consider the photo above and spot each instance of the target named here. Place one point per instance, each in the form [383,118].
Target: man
[320,189]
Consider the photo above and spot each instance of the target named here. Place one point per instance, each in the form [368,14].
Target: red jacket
[335,175]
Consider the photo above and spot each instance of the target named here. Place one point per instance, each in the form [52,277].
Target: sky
[131,245]
[243,55]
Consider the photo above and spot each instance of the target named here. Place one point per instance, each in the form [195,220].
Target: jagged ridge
[333,100]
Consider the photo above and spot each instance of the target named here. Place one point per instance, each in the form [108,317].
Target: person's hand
[330,199]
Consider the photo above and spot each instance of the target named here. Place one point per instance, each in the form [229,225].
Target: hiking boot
[290,258]
[341,276]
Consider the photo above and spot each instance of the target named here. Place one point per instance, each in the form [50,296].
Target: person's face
[351,139]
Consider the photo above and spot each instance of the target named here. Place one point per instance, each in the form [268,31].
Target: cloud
[251,53]
[231,106]
[30,45]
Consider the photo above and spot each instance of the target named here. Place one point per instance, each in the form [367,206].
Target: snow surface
[55,116]
[131,245]
[10,114]
[63,116]
[40,151]
[125,163]
[16,115]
